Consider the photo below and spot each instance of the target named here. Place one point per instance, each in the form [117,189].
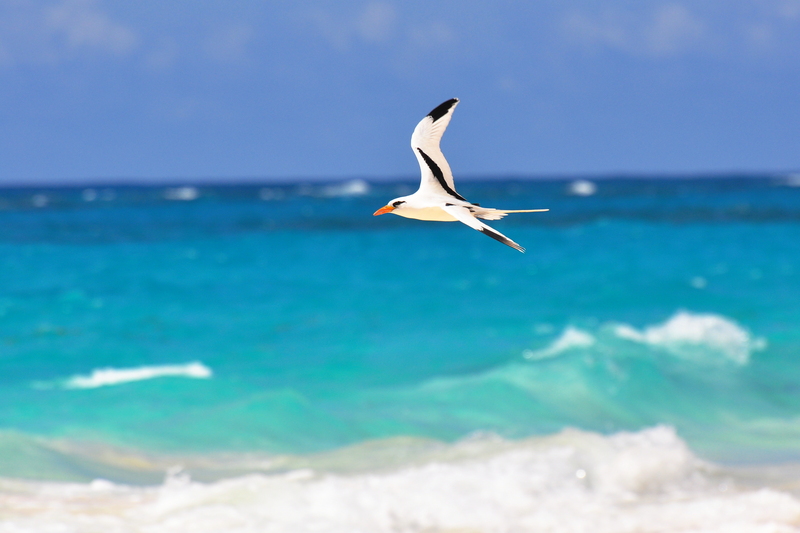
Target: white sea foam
[102,377]
[570,339]
[647,481]
[702,337]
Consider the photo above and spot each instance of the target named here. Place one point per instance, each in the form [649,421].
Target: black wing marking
[442,109]
[437,173]
[463,214]
[486,230]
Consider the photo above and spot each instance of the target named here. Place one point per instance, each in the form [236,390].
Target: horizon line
[217,181]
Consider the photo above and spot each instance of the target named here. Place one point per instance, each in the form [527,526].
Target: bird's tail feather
[488,213]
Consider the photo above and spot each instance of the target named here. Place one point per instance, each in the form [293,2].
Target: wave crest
[102,377]
[571,338]
[700,337]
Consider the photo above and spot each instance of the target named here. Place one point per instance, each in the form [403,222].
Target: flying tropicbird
[437,198]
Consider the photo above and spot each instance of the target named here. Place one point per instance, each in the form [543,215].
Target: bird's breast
[436,214]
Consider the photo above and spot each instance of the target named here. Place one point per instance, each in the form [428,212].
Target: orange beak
[383,210]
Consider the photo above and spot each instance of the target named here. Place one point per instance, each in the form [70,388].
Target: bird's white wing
[464,215]
[436,174]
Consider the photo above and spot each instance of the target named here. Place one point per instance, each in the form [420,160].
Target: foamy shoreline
[571,481]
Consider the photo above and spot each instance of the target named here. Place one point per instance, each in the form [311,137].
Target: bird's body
[437,199]
[434,214]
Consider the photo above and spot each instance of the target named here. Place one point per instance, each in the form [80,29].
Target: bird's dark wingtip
[501,238]
[442,109]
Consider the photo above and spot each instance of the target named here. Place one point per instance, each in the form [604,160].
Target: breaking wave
[570,481]
[569,339]
[103,377]
[698,337]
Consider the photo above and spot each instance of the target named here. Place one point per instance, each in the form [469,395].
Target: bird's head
[395,204]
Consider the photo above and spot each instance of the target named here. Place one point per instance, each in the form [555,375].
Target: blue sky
[95,90]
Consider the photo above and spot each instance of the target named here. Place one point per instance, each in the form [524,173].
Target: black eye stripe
[395,204]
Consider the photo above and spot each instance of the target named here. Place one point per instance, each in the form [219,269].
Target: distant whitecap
[185,194]
[268,193]
[582,188]
[348,188]
[792,180]
[89,195]
[40,200]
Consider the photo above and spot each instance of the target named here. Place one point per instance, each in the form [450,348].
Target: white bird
[437,198]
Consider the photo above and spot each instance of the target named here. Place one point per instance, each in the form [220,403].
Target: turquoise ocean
[274,358]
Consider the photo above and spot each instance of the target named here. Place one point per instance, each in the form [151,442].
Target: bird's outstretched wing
[436,174]
[464,215]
